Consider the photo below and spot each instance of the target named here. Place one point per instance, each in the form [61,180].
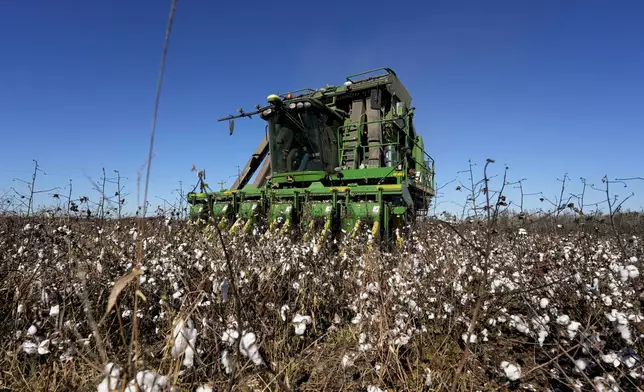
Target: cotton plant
[425,287]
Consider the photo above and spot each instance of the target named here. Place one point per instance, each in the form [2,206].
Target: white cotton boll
[581,364]
[229,336]
[563,320]
[29,347]
[249,349]
[111,381]
[608,301]
[630,362]
[185,340]
[372,388]
[283,310]
[544,303]
[573,327]
[54,311]
[472,338]
[519,324]
[512,372]
[625,333]
[542,337]
[611,358]
[148,381]
[21,308]
[619,317]
[300,323]
[188,359]
[32,330]
[632,271]
[204,388]
[300,328]
[401,340]
[638,318]
[347,361]
[180,340]
[43,347]
[227,362]
[362,343]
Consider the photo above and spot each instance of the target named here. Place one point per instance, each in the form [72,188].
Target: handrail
[432,171]
[297,91]
[389,71]
[423,150]
[427,169]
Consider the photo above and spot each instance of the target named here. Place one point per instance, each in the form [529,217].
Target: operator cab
[302,136]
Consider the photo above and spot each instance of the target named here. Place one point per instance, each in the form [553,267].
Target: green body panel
[350,174]
[318,209]
[247,209]
[367,212]
[282,210]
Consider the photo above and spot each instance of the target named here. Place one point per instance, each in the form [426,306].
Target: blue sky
[547,87]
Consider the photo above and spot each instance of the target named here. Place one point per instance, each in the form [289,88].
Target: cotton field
[513,310]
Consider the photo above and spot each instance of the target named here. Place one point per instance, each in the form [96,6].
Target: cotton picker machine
[334,161]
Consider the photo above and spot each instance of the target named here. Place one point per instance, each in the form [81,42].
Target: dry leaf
[119,286]
[140,295]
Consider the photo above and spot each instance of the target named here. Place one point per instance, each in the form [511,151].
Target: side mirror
[231,126]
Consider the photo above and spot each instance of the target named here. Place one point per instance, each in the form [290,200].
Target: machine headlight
[300,105]
[267,112]
[307,104]
[291,105]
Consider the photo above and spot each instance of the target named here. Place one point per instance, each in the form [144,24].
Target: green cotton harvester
[333,161]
